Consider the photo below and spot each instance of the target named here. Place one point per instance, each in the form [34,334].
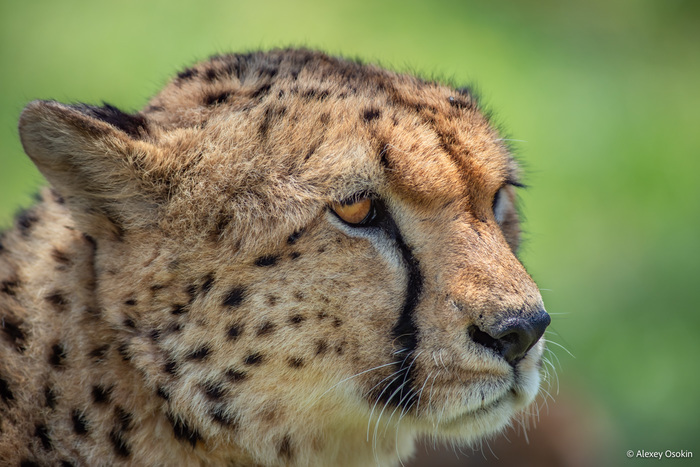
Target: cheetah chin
[285,258]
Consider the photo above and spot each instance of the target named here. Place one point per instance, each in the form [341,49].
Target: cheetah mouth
[485,404]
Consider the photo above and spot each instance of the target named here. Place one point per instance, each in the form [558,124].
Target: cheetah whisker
[549,341]
[345,380]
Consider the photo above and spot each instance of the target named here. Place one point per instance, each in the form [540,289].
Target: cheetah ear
[97,159]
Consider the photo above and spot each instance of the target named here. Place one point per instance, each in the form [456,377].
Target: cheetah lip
[486,407]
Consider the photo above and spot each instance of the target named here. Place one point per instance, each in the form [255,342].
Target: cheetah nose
[511,338]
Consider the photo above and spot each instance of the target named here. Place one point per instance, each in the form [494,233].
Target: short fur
[183,295]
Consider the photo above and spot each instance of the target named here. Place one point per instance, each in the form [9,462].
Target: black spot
[236,376]
[295,362]
[261,91]
[171,367]
[211,74]
[58,300]
[58,355]
[130,302]
[13,331]
[91,241]
[42,433]
[219,415]
[101,394]
[67,464]
[217,98]
[5,391]
[28,463]
[383,158]
[179,309]
[235,297]
[340,348]
[296,319]
[309,94]
[265,328]
[325,118]
[135,126]
[122,419]
[371,114]
[162,393]
[265,261]
[157,287]
[57,196]
[315,94]
[253,359]
[184,432]
[234,332]
[129,323]
[310,152]
[154,335]
[268,72]
[9,287]
[191,292]
[79,423]
[294,255]
[222,222]
[294,236]
[322,315]
[25,221]
[187,74]
[272,300]
[285,448]
[298,296]
[213,390]
[119,444]
[207,284]
[264,127]
[124,352]
[97,354]
[200,353]
[321,347]
[337,322]
[60,256]
[50,397]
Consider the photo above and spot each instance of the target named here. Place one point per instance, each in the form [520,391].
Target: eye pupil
[356,212]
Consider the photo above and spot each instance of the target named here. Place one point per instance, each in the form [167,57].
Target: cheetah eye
[356,211]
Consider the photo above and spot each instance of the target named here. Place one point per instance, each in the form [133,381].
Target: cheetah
[285,258]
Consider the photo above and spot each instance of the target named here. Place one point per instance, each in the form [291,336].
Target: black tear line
[405,333]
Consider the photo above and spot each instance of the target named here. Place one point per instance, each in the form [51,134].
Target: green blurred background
[603,96]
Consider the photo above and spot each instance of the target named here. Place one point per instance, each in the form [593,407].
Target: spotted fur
[184,295]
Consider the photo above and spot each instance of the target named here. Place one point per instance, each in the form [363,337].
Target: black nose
[512,337]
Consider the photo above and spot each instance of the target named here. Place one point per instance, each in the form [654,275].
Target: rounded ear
[97,158]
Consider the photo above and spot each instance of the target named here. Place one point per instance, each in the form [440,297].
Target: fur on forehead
[255,131]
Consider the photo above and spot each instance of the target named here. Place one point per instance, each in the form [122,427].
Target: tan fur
[184,296]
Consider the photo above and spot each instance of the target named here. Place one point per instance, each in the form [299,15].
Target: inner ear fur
[98,159]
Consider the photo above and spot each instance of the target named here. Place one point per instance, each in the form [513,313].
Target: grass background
[604,94]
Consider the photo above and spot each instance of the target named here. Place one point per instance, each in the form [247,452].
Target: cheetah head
[305,255]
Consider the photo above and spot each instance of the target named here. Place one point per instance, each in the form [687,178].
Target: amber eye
[355,212]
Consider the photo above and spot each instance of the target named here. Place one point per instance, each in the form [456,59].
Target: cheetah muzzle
[284,259]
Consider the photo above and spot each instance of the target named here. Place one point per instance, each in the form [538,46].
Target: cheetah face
[329,248]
